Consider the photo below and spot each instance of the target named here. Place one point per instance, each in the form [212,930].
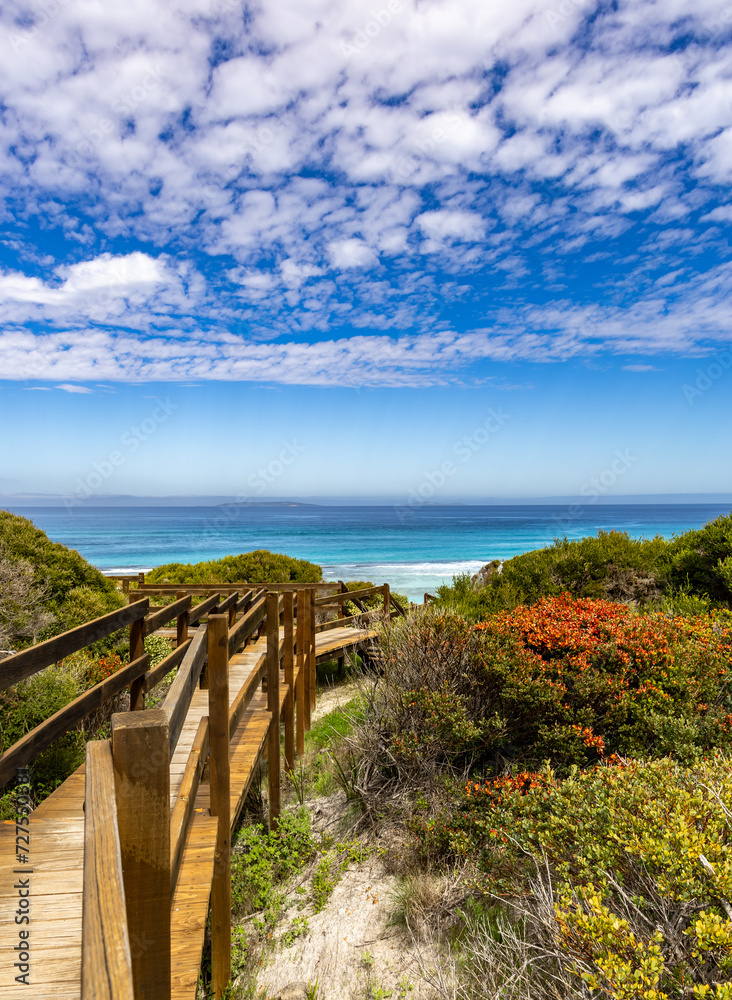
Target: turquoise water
[413,549]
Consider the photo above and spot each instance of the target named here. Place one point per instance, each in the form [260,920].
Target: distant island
[268,503]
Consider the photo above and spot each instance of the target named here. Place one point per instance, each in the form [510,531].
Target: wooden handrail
[29,661]
[339,623]
[40,738]
[178,699]
[366,592]
[106,962]
[247,625]
[186,799]
[154,676]
[197,613]
[164,615]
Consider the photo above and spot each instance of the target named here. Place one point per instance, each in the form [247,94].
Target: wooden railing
[134,841]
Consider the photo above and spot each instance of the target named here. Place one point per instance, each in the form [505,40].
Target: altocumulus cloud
[294,212]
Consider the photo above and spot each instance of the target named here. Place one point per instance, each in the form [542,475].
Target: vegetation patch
[260,566]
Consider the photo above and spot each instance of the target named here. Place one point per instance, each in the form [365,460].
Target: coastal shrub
[701,561]
[260,566]
[642,572]
[565,680]
[635,858]
[69,589]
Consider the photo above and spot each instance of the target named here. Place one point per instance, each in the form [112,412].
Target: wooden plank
[246,599]
[366,592]
[189,908]
[159,618]
[218,711]
[300,673]
[338,623]
[273,705]
[141,753]
[181,690]
[40,738]
[289,670]
[197,613]
[307,656]
[313,659]
[186,800]
[241,702]
[154,676]
[137,648]
[246,626]
[29,661]
[227,603]
[182,623]
[106,962]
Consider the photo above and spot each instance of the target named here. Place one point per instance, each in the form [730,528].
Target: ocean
[414,549]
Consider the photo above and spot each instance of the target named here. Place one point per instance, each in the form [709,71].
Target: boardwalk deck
[57,847]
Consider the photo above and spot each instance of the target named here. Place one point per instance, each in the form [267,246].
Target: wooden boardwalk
[56,857]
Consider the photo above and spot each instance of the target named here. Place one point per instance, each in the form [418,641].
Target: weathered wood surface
[106,972]
[29,661]
[351,595]
[156,675]
[246,626]
[161,617]
[202,609]
[56,884]
[220,774]
[60,817]
[141,752]
[29,746]
[186,799]
[178,698]
[189,908]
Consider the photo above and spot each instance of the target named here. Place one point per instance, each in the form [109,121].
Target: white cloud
[459,138]
[345,254]
[68,387]
[449,225]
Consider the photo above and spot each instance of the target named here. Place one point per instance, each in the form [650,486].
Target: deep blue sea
[414,549]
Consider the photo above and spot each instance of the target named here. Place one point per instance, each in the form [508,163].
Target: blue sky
[348,243]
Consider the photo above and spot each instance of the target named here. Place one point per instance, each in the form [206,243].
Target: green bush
[260,566]
[694,565]
[73,590]
[639,858]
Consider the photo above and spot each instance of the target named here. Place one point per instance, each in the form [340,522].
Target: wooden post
[273,705]
[313,672]
[218,715]
[106,962]
[141,757]
[181,623]
[140,579]
[137,648]
[387,596]
[306,658]
[289,658]
[300,686]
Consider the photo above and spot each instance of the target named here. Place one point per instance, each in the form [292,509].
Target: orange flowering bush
[101,669]
[589,677]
